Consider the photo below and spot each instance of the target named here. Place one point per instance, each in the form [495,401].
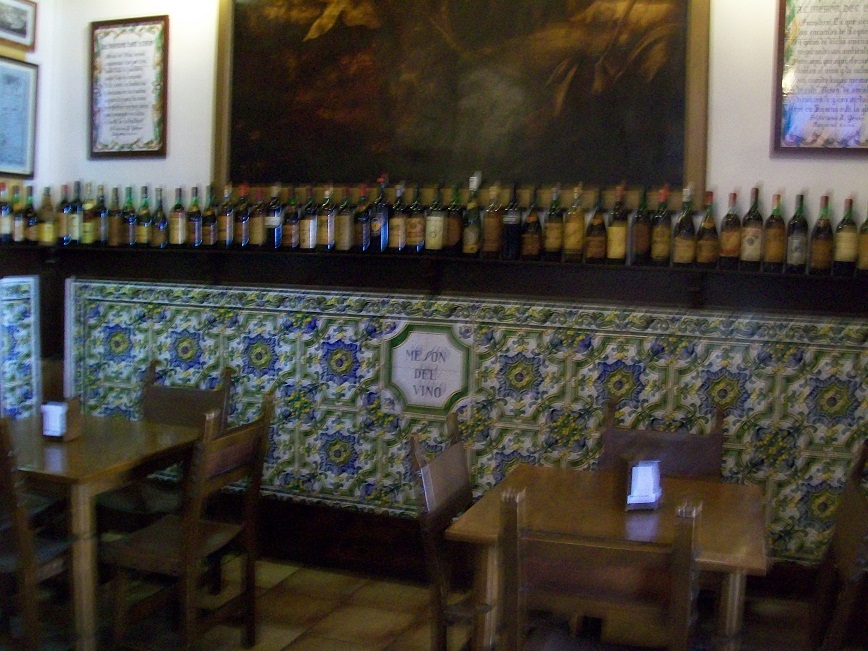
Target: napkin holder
[643,485]
[61,421]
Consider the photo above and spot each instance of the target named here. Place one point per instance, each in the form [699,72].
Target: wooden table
[109,452]
[731,533]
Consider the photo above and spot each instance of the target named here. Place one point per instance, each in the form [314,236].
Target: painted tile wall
[535,378]
[20,372]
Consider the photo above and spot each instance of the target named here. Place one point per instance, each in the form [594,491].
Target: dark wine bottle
[730,235]
[6,211]
[325,222]
[774,239]
[471,232]
[820,263]
[416,223]
[512,216]
[194,219]
[641,234]
[846,243]
[553,233]
[707,241]
[595,236]
[492,224]
[307,223]
[616,233]
[453,243]
[398,222]
[574,228]
[661,230]
[226,219]
[684,235]
[750,257]
[380,211]
[797,239]
[144,219]
[210,229]
[531,231]
[362,223]
[241,236]
[159,222]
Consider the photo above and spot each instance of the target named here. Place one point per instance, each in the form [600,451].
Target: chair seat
[157,547]
[150,497]
[40,508]
[45,550]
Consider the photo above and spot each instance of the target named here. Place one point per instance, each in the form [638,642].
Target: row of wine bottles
[512,225]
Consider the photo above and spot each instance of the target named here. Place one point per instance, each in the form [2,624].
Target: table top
[731,532]
[107,446]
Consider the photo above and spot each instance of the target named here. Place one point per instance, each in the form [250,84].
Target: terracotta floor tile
[392,595]
[322,583]
[285,608]
[418,637]
[268,573]
[362,625]
[313,643]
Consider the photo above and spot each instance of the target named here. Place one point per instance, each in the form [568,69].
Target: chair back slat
[681,454]
[13,512]
[184,406]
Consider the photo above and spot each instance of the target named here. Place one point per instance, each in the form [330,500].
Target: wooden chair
[177,545]
[140,503]
[27,558]
[681,454]
[549,572]
[443,492]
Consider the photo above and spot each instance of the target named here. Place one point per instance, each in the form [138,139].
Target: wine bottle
[193,236]
[471,236]
[684,235]
[774,239]
[325,222]
[435,225]
[862,257]
[362,223]
[492,224]
[380,211]
[398,222]
[257,220]
[61,216]
[641,239]
[820,262]
[26,223]
[274,216]
[661,230]
[574,228]
[210,229]
[707,242]
[241,223]
[128,213]
[416,223]
[307,223]
[19,224]
[512,216]
[452,242]
[89,221]
[144,220]
[291,237]
[101,213]
[531,230]
[344,223]
[797,239]
[75,216]
[616,233]
[730,235]
[115,219]
[553,238]
[5,216]
[159,222]
[595,235]
[178,220]
[46,233]
[750,257]
[226,219]
[846,243]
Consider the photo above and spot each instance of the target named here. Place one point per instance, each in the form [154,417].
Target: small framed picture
[18,23]
[18,108]
[128,81]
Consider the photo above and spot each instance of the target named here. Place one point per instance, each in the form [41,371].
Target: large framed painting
[821,94]
[525,90]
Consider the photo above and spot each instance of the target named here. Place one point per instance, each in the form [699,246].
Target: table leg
[732,609]
[485,590]
[84,558]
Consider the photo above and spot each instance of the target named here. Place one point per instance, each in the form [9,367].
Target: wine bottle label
[210,233]
[307,233]
[398,232]
[73,225]
[6,224]
[325,230]
[344,232]
[416,231]
[19,230]
[143,233]
[470,240]
[491,232]
[554,237]
[130,233]
[595,247]
[47,233]
[846,246]
[32,231]
[574,236]
[616,245]
[362,234]
[862,260]
[62,224]
[707,251]
[376,225]
[434,231]
[641,238]
[730,243]
[453,231]
[291,236]
[225,229]
[88,232]
[661,241]
[530,244]
[273,220]
[751,243]
[158,237]
[821,254]
[257,230]
[684,251]
[194,232]
[512,217]
[177,228]
[242,232]
[775,245]
[797,249]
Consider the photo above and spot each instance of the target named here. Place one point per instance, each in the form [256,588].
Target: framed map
[17,116]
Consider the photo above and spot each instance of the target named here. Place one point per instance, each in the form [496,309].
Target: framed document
[17,116]
[128,78]
[822,77]
[18,23]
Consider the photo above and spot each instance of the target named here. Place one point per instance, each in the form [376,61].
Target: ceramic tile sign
[427,367]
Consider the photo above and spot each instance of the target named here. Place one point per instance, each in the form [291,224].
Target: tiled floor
[308,609]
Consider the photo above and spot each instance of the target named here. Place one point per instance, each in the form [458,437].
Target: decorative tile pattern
[20,374]
[794,390]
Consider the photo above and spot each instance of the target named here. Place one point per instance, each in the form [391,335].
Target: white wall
[741,70]
[63,49]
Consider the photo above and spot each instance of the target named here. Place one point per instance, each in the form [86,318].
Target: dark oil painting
[535,91]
